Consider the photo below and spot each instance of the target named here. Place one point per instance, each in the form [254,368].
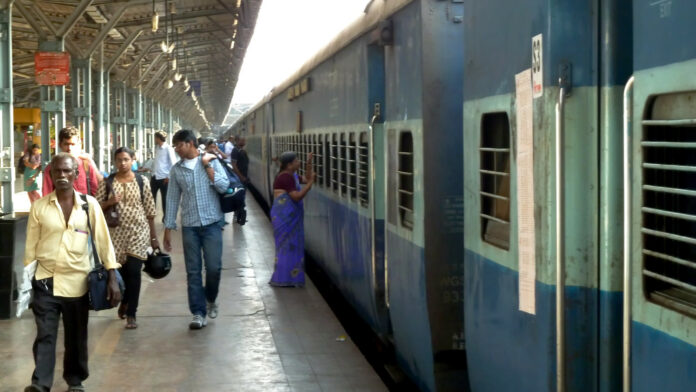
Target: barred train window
[669,201]
[334,162]
[343,168]
[495,179]
[406,179]
[353,173]
[363,170]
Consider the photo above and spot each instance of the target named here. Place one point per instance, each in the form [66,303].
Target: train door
[377,183]
[660,177]
[542,270]
[269,150]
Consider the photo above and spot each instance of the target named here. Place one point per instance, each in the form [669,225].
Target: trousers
[162,186]
[130,272]
[47,310]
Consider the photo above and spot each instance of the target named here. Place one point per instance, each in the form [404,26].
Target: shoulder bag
[98,277]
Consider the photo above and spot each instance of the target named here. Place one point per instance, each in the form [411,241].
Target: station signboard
[195,87]
[52,68]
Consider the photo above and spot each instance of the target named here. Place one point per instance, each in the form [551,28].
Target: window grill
[495,179]
[343,166]
[300,142]
[363,170]
[319,159]
[668,208]
[352,167]
[334,162]
[405,173]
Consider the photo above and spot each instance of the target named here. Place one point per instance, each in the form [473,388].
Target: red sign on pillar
[52,68]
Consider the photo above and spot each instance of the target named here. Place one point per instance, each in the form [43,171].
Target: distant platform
[264,339]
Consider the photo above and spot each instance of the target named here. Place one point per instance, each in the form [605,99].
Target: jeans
[162,186]
[47,311]
[207,239]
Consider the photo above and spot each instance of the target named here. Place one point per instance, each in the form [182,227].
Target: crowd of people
[119,216]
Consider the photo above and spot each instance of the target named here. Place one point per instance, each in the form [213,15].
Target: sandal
[131,324]
[122,311]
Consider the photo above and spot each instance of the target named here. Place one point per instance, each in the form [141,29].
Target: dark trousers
[130,272]
[47,309]
[162,186]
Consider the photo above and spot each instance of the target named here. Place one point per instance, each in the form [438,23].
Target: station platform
[264,339]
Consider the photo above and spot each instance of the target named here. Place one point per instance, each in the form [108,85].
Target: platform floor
[264,339]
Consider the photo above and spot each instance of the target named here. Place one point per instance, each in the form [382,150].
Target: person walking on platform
[195,183]
[57,238]
[287,218]
[240,164]
[229,147]
[32,169]
[135,232]
[88,176]
[164,160]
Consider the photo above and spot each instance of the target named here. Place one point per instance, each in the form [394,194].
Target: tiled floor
[265,339]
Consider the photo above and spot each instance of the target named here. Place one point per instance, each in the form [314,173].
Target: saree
[287,218]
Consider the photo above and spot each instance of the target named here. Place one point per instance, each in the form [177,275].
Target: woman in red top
[287,217]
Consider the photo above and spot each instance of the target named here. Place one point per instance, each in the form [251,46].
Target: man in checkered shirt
[195,183]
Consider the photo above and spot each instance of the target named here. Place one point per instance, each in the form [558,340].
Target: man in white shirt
[229,146]
[164,160]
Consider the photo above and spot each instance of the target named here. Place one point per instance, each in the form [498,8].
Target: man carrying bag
[57,237]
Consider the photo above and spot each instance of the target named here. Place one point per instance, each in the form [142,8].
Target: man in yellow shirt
[57,235]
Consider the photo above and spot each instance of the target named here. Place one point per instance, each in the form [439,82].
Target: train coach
[493,176]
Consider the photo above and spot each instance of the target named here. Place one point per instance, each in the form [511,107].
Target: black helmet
[158,264]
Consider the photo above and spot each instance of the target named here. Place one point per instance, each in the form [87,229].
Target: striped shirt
[199,199]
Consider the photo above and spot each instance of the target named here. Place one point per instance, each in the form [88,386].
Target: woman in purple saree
[287,217]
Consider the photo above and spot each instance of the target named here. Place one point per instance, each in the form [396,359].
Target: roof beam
[137,61]
[105,30]
[149,68]
[122,49]
[183,15]
[30,20]
[73,18]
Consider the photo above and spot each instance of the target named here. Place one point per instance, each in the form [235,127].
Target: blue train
[506,190]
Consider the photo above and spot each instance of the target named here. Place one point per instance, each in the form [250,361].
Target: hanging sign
[52,68]
[537,66]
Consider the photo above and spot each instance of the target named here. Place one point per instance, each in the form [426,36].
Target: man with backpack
[195,185]
[88,176]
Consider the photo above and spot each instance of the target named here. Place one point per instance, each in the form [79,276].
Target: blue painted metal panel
[409,310]
[497,44]
[661,362]
[509,350]
[663,32]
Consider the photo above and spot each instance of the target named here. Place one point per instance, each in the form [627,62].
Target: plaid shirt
[200,200]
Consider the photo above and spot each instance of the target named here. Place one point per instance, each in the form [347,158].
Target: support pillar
[52,108]
[81,80]
[135,121]
[118,110]
[7,172]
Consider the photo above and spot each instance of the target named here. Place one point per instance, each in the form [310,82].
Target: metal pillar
[81,79]
[118,110]
[52,106]
[100,123]
[134,121]
[7,172]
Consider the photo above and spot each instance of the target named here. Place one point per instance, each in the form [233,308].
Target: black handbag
[233,199]
[98,277]
[111,213]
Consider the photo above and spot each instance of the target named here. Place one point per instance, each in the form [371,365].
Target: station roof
[207,39]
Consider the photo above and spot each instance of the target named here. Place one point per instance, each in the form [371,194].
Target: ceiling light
[173,64]
[171,47]
[177,76]
[163,46]
[232,44]
[155,22]
[169,84]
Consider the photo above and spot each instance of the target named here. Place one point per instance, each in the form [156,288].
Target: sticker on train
[537,66]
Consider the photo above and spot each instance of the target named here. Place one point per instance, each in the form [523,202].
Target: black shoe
[35,388]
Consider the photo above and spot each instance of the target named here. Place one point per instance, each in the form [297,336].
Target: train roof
[376,11]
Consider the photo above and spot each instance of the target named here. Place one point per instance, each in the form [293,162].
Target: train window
[669,201]
[363,170]
[406,179]
[327,160]
[319,159]
[343,166]
[495,179]
[353,167]
[334,162]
